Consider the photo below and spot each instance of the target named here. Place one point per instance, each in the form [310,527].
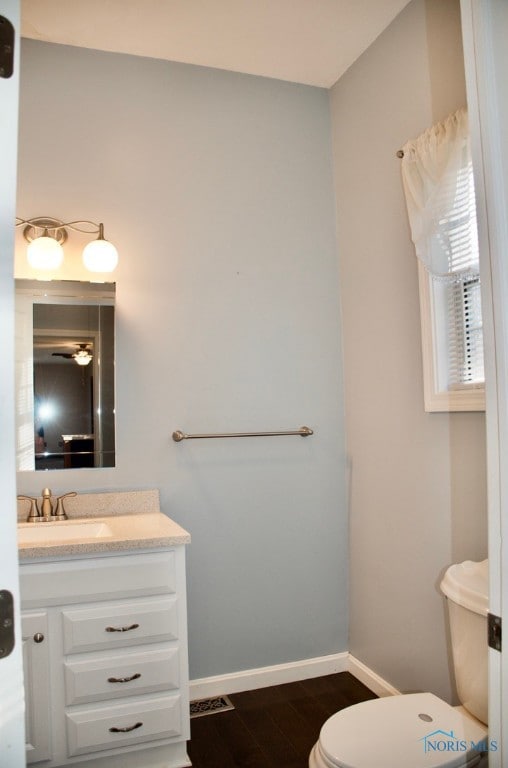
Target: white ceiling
[304,41]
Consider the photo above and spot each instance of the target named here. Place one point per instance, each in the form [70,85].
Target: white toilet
[419,730]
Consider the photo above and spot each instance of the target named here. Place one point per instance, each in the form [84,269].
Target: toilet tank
[466,587]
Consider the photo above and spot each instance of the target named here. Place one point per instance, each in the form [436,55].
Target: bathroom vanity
[105,635]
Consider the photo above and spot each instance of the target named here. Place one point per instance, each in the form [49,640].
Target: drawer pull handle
[124,679]
[125,730]
[122,629]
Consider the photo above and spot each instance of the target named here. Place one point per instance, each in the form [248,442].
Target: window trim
[465,398]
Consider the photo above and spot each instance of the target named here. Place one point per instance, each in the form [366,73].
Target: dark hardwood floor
[272,727]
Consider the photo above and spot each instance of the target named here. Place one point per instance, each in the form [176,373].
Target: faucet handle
[60,513]
[35,512]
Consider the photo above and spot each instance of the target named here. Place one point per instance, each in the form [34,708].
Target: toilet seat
[390,733]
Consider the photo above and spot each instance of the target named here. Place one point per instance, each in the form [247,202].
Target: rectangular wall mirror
[65,375]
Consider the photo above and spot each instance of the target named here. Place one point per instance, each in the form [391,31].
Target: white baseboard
[261,677]
[370,678]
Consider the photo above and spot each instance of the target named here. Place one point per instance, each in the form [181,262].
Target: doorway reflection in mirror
[65,371]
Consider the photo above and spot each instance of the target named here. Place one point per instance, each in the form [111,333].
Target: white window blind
[465,335]
[464,309]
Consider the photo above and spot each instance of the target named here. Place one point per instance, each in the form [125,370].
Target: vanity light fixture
[46,237]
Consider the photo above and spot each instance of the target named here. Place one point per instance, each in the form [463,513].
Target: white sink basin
[34,533]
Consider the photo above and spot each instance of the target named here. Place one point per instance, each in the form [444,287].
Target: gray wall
[217,190]
[417,494]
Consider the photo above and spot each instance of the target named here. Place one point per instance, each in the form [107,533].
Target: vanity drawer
[98,579]
[113,625]
[125,673]
[143,720]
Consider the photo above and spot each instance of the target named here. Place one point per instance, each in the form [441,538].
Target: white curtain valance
[438,183]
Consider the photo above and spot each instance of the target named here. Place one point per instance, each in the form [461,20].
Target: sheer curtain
[438,183]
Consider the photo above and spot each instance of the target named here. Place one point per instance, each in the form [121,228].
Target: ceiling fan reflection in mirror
[82,355]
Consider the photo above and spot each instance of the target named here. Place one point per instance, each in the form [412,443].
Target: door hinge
[495,625]
[6,47]
[6,623]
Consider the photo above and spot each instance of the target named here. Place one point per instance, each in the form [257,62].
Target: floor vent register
[202,707]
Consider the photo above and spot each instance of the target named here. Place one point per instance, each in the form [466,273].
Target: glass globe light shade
[100,256]
[45,253]
[82,357]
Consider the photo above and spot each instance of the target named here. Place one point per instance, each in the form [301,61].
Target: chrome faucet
[47,511]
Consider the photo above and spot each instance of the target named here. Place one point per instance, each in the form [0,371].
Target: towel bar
[178,435]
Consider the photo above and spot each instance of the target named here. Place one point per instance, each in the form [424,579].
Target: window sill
[471,399]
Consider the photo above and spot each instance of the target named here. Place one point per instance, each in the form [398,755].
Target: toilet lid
[392,732]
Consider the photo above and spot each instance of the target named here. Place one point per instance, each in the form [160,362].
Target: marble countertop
[132,520]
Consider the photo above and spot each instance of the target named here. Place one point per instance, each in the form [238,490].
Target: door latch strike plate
[495,625]
[6,623]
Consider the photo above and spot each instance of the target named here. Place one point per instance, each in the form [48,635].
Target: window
[452,344]
[466,336]
[439,187]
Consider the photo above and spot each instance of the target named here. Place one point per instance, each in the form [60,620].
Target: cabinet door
[34,625]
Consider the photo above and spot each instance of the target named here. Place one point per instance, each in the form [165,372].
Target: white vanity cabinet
[34,628]
[105,641]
